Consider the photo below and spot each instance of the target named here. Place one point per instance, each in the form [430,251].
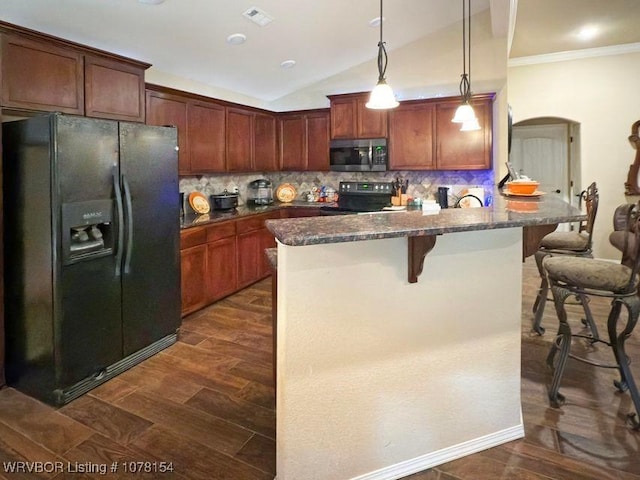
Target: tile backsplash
[423,183]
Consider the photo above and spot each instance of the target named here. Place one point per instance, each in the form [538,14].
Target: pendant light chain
[465,82]
[382,96]
[464,113]
[382,52]
[469,47]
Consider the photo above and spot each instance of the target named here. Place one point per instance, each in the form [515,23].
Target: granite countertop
[506,212]
[192,219]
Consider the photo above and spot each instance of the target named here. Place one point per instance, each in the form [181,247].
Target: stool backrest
[631,249]
[591,198]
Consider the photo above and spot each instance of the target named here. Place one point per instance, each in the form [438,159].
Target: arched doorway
[547,149]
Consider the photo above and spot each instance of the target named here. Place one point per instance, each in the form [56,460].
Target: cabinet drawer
[192,237]
[256,222]
[222,230]
[249,224]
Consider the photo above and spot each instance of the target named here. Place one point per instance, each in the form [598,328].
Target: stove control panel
[384,188]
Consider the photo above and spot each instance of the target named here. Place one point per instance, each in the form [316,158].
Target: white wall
[602,95]
[379,378]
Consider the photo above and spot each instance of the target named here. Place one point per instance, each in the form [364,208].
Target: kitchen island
[399,337]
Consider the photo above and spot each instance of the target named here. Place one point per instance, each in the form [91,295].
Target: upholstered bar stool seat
[576,244]
[569,276]
[589,274]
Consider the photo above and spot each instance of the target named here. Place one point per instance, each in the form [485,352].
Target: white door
[541,152]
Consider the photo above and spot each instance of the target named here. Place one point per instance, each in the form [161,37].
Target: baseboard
[448,454]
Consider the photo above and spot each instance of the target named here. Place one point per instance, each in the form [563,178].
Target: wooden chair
[576,244]
[569,276]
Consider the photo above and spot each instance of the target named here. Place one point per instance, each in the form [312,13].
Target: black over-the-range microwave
[359,155]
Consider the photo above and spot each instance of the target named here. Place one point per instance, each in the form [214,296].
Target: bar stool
[570,276]
[577,244]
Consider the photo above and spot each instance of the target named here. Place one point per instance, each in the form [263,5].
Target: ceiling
[551,26]
[186,38]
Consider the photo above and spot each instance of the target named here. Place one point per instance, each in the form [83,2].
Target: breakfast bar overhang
[379,377]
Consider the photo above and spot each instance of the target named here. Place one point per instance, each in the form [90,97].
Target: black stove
[358,197]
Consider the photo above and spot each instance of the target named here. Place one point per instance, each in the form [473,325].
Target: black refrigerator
[92,268]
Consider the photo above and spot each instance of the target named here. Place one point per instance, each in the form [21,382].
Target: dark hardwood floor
[206,405]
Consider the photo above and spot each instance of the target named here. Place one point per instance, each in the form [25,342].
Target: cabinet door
[193,278]
[343,118]
[163,109]
[113,90]
[239,144]
[458,150]
[411,143]
[249,259]
[293,134]
[222,273]
[371,123]
[318,142]
[265,143]
[41,76]
[206,137]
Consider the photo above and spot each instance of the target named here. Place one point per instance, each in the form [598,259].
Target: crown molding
[574,55]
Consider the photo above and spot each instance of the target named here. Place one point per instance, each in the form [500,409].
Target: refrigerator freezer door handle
[127,196]
[118,195]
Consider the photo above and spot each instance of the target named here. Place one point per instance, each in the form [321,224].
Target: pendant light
[464,113]
[382,96]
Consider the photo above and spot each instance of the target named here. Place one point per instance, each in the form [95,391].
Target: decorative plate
[537,193]
[199,202]
[286,193]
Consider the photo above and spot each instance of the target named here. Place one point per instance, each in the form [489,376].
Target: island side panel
[376,374]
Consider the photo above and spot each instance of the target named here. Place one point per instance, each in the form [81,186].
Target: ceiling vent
[258,16]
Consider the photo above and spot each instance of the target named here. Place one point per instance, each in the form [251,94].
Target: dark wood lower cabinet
[253,239]
[193,263]
[222,258]
[249,258]
[221,272]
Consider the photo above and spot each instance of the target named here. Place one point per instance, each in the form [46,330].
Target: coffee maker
[260,192]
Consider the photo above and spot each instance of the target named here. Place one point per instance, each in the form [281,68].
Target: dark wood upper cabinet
[411,137]
[371,123]
[165,109]
[41,76]
[318,141]
[456,150]
[293,143]
[113,90]
[351,119]
[44,73]
[206,137]
[343,118]
[239,144]
[265,143]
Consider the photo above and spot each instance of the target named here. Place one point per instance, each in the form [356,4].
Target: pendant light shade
[470,125]
[382,96]
[465,114]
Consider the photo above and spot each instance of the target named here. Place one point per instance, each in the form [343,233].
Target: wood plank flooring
[206,404]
